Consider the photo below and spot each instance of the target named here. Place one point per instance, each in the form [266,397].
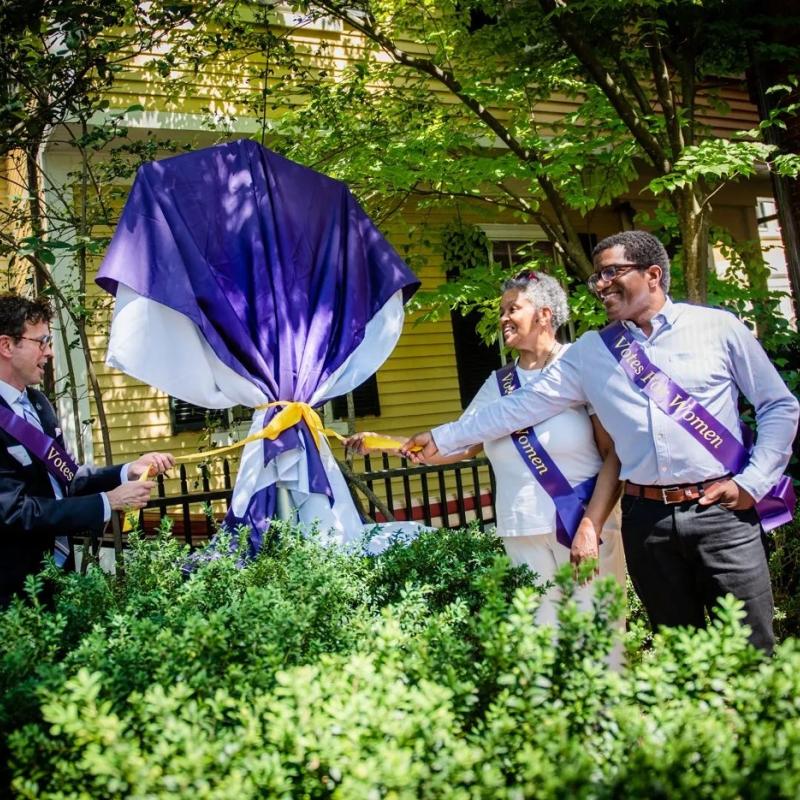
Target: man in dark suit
[38,506]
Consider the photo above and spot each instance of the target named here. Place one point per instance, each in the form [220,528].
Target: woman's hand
[356,442]
[586,544]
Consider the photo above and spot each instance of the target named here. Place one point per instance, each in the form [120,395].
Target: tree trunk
[758,280]
[37,229]
[72,386]
[694,221]
[786,190]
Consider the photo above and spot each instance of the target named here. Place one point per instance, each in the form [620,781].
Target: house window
[511,246]
[474,358]
[767,216]
[512,253]
[365,399]
[187,417]
[588,242]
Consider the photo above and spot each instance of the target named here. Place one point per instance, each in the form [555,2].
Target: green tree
[443,102]
[60,60]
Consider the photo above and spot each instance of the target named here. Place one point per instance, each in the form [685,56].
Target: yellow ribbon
[144,475]
[292,413]
[132,517]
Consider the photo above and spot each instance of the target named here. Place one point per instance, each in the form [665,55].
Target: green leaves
[713,161]
[319,673]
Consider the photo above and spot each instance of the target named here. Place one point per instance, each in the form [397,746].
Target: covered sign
[243,278]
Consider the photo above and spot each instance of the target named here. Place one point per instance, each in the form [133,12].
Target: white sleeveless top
[523,507]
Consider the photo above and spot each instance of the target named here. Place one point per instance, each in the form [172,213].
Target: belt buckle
[665,490]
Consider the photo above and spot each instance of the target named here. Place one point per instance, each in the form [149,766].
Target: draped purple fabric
[277,265]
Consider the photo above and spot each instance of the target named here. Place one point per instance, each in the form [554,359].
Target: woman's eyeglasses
[610,272]
[526,275]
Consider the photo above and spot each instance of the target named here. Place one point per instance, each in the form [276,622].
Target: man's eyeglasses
[610,272]
[43,341]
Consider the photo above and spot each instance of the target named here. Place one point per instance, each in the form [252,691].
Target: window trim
[509,232]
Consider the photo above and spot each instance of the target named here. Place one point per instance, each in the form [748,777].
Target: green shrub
[319,673]
[784,567]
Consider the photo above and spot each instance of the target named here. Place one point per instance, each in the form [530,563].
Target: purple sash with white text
[777,507]
[57,461]
[570,502]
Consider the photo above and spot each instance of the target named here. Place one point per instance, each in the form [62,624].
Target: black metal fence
[441,496]
[420,493]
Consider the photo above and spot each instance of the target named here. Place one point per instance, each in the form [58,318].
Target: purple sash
[777,507]
[570,502]
[57,461]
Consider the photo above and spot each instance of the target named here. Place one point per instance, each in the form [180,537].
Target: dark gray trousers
[683,557]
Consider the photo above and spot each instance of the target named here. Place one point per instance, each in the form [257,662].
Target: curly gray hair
[543,291]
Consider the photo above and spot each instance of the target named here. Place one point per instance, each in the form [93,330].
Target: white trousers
[544,555]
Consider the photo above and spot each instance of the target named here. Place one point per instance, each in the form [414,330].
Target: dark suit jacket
[30,516]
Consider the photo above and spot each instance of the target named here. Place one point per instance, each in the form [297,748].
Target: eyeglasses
[526,275]
[608,273]
[43,341]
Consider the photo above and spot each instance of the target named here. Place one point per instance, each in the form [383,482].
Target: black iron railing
[447,496]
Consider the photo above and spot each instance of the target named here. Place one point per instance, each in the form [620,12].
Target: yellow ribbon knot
[291,413]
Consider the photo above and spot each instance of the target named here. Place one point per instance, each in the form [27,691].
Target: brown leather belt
[681,493]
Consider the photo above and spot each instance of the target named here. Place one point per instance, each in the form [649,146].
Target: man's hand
[728,494]
[134,494]
[156,462]
[586,544]
[423,440]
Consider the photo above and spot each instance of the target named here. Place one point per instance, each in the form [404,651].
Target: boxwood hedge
[319,673]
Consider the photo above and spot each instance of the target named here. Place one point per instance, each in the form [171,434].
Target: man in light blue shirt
[688,547]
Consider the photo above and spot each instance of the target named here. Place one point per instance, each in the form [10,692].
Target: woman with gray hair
[557,484]
[538,524]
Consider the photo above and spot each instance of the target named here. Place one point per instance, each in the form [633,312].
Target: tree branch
[666,98]
[572,249]
[425,66]
[634,87]
[361,485]
[608,85]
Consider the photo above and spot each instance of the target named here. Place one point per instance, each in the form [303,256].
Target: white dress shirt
[709,352]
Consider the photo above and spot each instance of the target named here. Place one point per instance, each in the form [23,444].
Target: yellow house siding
[220,87]
[12,186]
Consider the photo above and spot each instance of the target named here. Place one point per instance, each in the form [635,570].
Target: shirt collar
[10,393]
[665,316]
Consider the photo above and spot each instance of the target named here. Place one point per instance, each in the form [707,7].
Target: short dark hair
[16,311]
[641,248]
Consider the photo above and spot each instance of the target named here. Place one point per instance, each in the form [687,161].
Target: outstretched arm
[558,387]
[357,444]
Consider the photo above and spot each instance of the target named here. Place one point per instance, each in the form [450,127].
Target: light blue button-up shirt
[707,351]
